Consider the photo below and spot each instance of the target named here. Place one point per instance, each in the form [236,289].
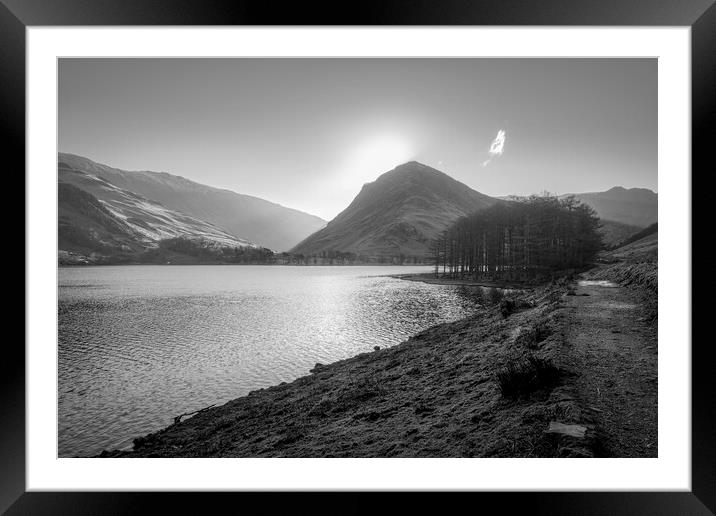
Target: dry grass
[519,379]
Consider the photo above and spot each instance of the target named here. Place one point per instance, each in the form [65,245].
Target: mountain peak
[411,164]
[633,206]
[415,173]
[622,190]
[397,214]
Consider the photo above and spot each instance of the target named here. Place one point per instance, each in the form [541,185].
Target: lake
[139,345]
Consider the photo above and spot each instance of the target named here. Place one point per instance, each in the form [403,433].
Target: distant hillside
[85,225]
[647,231]
[633,206]
[623,211]
[616,232]
[643,249]
[635,264]
[397,214]
[123,212]
[241,216]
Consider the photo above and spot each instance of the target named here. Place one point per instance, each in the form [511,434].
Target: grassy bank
[486,386]
[636,267]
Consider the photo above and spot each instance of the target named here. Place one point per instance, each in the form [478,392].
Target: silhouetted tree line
[348,258]
[204,252]
[519,240]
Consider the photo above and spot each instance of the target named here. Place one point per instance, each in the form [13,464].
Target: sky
[308,133]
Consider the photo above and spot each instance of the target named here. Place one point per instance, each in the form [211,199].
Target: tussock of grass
[532,338]
[495,296]
[521,378]
[507,307]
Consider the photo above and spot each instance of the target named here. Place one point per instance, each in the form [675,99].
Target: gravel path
[614,348]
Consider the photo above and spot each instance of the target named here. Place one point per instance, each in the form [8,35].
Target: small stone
[376,348]
[571,430]
[317,367]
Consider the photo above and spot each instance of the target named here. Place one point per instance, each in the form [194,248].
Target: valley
[112,216]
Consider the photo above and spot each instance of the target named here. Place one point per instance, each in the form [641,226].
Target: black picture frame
[700,15]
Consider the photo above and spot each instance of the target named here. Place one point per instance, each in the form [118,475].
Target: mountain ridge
[633,206]
[618,206]
[397,214]
[246,217]
[148,221]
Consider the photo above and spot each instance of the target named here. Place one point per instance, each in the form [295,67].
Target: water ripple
[139,345]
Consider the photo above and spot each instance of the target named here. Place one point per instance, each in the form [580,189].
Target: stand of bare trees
[519,240]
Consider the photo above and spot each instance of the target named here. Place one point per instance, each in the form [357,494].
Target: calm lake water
[139,345]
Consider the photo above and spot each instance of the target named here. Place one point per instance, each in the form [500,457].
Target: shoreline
[517,379]
[430,278]
[83,265]
[432,391]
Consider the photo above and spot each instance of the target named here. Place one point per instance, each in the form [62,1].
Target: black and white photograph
[357,257]
[287,257]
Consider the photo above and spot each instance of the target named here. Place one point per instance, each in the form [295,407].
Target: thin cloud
[497,147]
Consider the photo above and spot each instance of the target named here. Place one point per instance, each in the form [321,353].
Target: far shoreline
[433,280]
[89,265]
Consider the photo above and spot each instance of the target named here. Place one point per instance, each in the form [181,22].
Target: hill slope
[85,225]
[125,215]
[646,232]
[251,218]
[398,213]
[616,232]
[644,249]
[633,206]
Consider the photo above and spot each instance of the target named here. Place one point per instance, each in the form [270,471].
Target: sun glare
[370,158]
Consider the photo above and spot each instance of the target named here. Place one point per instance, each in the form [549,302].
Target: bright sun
[372,157]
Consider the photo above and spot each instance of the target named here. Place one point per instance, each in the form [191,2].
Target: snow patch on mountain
[150,220]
